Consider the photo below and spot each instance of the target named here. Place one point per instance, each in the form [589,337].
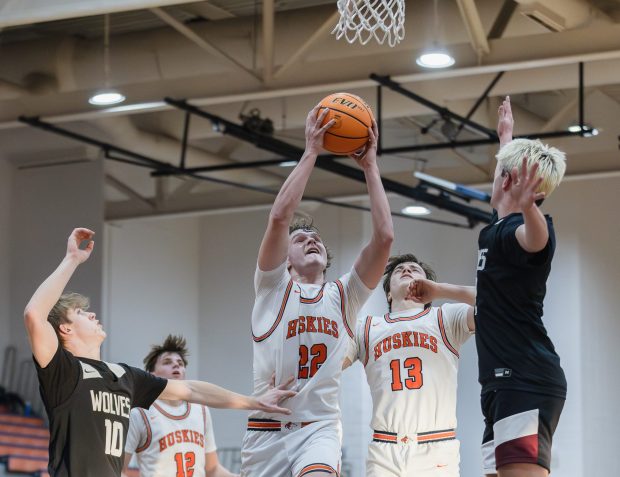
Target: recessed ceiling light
[416,210]
[105,98]
[288,164]
[435,58]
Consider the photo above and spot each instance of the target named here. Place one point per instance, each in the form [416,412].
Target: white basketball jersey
[304,331]
[169,440]
[411,364]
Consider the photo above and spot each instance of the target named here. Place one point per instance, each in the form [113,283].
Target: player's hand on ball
[367,156]
[78,236]
[269,402]
[314,130]
[422,290]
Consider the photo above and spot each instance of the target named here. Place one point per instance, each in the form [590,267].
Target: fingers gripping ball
[353,118]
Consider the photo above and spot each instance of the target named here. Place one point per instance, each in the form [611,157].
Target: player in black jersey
[523,385]
[88,400]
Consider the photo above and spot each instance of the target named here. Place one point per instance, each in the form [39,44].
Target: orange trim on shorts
[258,339]
[389,437]
[435,436]
[342,308]
[172,416]
[309,469]
[149,433]
[367,338]
[444,336]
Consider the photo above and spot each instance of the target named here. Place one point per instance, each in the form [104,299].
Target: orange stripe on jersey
[149,433]
[342,308]
[367,338]
[172,416]
[407,318]
[258,339]
[316,299]
[444,336]
[389,437]
[309,469]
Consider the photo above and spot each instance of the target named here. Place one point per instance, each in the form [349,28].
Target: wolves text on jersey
[110,403]
[405,339]
[312,324]
[179,437]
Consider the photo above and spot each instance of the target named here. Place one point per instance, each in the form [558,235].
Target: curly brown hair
[394,262]
[172,344]
[307,225]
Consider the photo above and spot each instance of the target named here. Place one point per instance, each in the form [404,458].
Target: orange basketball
[353,118]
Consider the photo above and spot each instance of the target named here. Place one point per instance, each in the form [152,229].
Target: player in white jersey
[172,438]
[303,325]
[410,356]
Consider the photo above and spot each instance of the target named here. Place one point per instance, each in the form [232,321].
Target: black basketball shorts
[519,428]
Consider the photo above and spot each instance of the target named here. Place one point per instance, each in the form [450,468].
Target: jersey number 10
[414,374]
[113,438]
[319,355]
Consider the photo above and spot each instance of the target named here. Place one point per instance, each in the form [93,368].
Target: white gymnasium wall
[152,288]
[579,312]
[46,204]
[6,172]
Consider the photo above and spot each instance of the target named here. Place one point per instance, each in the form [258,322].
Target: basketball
[353,118]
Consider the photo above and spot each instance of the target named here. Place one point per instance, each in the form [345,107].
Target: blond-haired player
[172,438]
[410,356]
[523,384]
[302,324]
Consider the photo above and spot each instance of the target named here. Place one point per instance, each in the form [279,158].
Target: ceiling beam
[199,41]
[207,11]
[318,34]
[268,39]
[475,30]
[502,19]
[128,191]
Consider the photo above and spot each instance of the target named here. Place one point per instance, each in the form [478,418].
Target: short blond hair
[69,301]
[551,161]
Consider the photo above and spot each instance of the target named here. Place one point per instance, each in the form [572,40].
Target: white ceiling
[216,54]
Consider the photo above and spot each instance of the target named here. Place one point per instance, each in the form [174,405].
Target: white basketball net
[362,20]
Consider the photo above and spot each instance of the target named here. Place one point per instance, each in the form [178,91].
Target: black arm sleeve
[59,378]
[146,387]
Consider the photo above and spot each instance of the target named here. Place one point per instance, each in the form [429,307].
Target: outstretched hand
[269,402]
[314,130]
[367,156]
[78,236]
[505,122]
[422,290]
[525,186]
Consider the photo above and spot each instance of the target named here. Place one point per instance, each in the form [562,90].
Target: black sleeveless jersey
[514,350]
[88,403]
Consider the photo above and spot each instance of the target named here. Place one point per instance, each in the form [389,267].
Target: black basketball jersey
[514,350]
[88,403]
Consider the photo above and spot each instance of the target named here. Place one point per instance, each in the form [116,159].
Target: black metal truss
[119,154]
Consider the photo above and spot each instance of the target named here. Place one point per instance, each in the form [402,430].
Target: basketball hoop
[362,20]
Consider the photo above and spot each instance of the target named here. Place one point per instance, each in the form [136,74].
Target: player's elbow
[279,218]
[385,237]
[31,317]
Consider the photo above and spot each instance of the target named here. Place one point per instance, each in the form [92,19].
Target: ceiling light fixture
[435,56]
[416,210]
[106,96]
[288,164]
[588,131]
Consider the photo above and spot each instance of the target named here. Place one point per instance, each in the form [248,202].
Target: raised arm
[41,334]
[370,264]
[210,395]
[426,291]
[533,235]
[505,122]
[274,247]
